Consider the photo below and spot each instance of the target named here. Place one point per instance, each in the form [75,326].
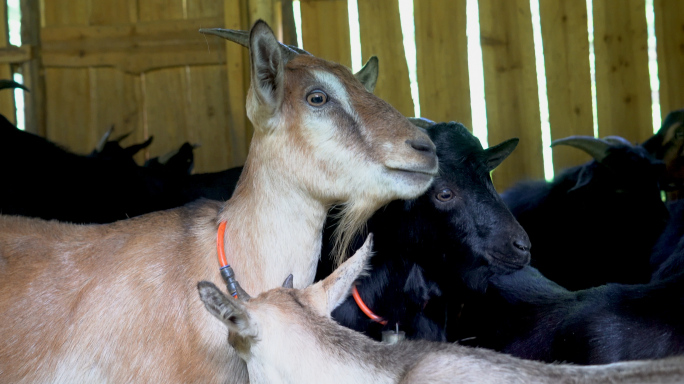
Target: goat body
[343,145]
[286,336]
[529,316]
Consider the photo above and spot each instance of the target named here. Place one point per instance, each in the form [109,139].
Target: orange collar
[226,271]
[364,308]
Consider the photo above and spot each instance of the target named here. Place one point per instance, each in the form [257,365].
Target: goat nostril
[521,245]
[421,145]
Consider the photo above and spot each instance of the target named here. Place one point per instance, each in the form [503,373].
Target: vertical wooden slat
[206,119]
[237,77]
[151,10]
[108,12]
[441,50]
[166,108]
[263,9]
[115,101]
[66,12]
[34,101]
[68,110]
[288,23]
[623,90]
[669,22]
[7,107]
[511,87]
[204,8]
[381,36]
[325,30]
[568,78]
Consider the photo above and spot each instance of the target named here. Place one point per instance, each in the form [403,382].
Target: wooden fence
[141,65]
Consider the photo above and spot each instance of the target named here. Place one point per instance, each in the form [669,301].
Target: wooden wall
[140,65]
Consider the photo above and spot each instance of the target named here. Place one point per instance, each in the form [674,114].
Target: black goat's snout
[521,249]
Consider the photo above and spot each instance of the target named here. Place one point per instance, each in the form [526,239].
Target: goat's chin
[409,184]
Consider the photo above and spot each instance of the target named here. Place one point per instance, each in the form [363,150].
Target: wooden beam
[441,42]
[7,56]
[568,78]
[16,55]
[33,70]
[511,87]
[133,48]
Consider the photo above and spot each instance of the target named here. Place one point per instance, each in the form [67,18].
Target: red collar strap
[226,271]
[364,308]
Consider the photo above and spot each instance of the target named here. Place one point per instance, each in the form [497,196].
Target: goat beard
[351,221]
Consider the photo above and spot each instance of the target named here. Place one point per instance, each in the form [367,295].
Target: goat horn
[421,122]
[101,144]
[288,283]
[163,159]
[596,148]
[4,84]
[242,295]
[242,38]
[617,140]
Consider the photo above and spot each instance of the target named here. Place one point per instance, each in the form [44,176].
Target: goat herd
[95,296]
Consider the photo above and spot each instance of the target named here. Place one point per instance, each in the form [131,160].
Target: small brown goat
[117,303]
[286,335]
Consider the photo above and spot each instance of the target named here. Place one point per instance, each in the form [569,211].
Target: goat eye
[317,98]
[445,194]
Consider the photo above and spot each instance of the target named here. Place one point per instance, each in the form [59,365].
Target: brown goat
[117,302]
[286,335]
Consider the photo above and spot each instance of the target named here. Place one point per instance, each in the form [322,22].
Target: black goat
[595,223]
[450,240]
[529,316]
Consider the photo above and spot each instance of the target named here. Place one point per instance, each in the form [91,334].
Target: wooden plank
[108,12]
[204,9]
[669,22]
[153,10]
[65,12]
[381,36]
[15,55]
[288,23]
[511,87]
[115,101]
[7,107]
[165,94]
[133,48]
[264,10]
[207,119]
[568,78]
[32,70]
[68,110]
[442,60]
[237,79]
[623,91]
[325,30]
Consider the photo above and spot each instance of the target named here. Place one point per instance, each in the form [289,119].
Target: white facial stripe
[337,90]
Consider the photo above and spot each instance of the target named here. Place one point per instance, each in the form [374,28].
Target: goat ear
[583,178]
[498,153]
[267,68]
[230,311]
[337,285]
[135,148]
[368,75]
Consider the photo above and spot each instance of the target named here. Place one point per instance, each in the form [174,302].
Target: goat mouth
[501,261]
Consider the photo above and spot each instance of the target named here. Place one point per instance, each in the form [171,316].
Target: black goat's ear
[498,153]
[583,178]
